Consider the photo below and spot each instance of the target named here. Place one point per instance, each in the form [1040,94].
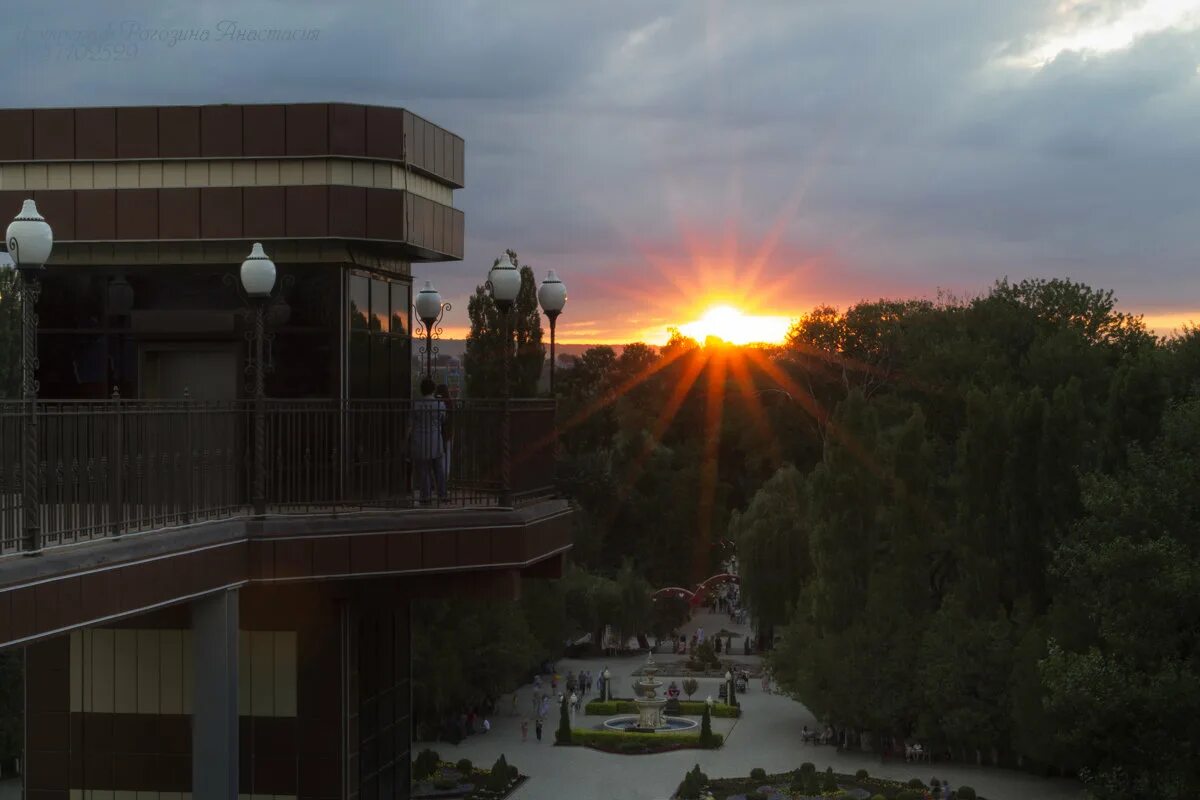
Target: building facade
[179,644]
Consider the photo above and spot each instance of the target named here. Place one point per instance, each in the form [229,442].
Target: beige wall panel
[104,176]
[363,173]
[125,671]
[291,173]
[220,173]
[187,672]
[150,174]
[266,173]
[12,176]
[316,171]
[124,795]
[174,174]
[286,668]
[149,664]
[262,673]
[383,176]
[341,172]
[58,176]
[171,672]
[35,176]
[196,173]
[128,175]
[103,643]
[101,794]
[244,173]
[76,656]
[82,175]
[244,674]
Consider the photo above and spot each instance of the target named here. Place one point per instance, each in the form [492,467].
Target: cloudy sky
[666,156]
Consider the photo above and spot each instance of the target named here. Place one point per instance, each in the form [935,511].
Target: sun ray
[714,408]
[758,417]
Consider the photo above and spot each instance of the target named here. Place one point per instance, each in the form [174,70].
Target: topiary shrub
[500,775]
[965,793]
[444,784]
[807,768]
[878,797]
[464,765]
[746,646]
[861,775]
[828,782]
[563,734]
[425,764]
[910,794]
[690,686]
[758,774]
[706,729]
[916,783]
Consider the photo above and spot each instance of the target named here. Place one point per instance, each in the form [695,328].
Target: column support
[215,695]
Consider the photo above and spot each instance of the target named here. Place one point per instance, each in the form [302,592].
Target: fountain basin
[628,722]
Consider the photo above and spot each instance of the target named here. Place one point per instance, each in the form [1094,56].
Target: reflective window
[380,321]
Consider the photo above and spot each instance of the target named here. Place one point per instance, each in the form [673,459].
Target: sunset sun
[736,327]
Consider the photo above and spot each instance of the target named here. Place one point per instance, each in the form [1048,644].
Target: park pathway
[767,736]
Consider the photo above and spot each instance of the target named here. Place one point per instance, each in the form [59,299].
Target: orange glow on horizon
[734,326]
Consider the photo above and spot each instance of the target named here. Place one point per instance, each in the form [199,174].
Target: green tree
[706,733]
[485,353]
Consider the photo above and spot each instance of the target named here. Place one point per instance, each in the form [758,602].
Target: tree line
[994,549]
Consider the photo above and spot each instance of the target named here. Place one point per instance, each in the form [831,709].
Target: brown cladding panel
[347,129]
[439,152]
[5,616]
[221,131]
[384,210]
[95,214]
[404,551]
[347,211]
[456,243]
[331,557]
[438,549]
[58,207]
[179,214]
[95,133]
[428,160]
[368,553]
[262,212]
[416,142]
[10,202]
[475,547]
[308,129]
[221,212]
[460,162]
[54,133]
[385,127]
[307,211]
[179,132]
[137,214]
[137,132]
[16,134]
[263,131]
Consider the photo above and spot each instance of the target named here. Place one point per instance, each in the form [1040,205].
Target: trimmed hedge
[693,708]
[622,742]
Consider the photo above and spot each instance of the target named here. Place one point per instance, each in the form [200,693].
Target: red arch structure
[698,595]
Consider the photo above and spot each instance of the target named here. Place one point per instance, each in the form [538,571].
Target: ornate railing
[110,468]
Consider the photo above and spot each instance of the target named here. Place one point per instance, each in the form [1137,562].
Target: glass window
[401,367]
[380,321]
[360,300]
[380,367]
[401,308]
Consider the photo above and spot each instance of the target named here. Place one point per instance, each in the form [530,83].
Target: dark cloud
[897,142]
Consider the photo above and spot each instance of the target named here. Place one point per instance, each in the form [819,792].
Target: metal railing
[108,468]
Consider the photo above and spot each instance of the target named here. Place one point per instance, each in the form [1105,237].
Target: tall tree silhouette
[484,359]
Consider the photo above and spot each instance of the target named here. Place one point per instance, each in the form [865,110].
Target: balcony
[111,468]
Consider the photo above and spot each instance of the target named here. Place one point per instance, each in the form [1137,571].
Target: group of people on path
[576,688]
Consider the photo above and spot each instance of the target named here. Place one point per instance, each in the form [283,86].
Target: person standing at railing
[428,447]
[443,394]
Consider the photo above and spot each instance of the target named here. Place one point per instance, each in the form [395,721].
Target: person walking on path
[537,728]
[574,701]
[512,712]
[524,730]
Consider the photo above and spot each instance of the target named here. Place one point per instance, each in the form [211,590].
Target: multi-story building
[180,639]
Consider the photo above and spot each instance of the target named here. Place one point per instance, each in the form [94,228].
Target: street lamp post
[258,279]
[607,685]
[430,309]
[729,688]
[552,296]
[504,282]
[30,241]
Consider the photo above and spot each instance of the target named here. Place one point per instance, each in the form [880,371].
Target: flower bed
[794,785]
[693,708]
[451,780]
[640,743]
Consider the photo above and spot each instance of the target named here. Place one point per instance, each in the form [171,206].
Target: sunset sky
[667,157]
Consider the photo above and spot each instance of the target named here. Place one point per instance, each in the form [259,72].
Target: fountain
[650,716]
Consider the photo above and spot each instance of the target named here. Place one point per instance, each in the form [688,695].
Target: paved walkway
[767,736]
